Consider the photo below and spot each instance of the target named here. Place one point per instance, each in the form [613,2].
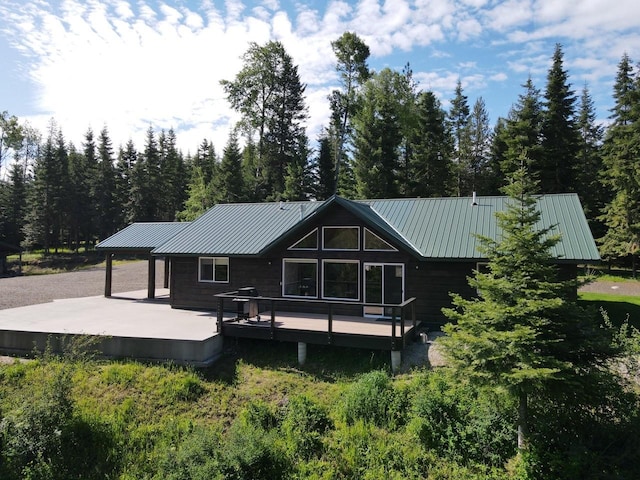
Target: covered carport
[139,239]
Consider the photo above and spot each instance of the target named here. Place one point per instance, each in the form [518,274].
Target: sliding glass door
[384,284]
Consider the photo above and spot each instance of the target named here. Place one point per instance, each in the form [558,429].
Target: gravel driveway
[35,289]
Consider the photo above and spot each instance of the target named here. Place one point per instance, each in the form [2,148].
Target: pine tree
[431,146]
[351,64]
[199,196]
[106,188]
[459,121]
[378,136]
[480,138]
[325,186]
[173,177]
[621,153]
[228,186]
[522,133]
[525,332]
[127,159]
[560,139]
[590,166]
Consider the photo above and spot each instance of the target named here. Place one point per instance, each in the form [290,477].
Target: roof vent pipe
[474,200]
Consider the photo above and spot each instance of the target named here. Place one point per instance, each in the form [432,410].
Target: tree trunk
[523,430]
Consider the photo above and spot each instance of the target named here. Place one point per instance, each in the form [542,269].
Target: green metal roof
[433,228]
[447,228]
[142,236]
[238,228]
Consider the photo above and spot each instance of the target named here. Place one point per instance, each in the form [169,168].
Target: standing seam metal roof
[436,228]
[142,236]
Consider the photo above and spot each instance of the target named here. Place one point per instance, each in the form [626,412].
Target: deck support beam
[396,360]
[302,353]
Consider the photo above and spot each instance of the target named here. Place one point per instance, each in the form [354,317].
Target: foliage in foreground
[82,419]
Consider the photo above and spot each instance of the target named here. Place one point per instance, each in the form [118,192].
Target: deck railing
[402,314]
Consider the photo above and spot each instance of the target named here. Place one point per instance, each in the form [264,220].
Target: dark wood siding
[430,282]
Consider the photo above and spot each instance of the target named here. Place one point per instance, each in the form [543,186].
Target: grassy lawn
[618,307]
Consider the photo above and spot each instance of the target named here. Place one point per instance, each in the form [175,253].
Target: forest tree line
[385,138]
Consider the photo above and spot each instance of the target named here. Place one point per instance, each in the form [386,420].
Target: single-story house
[361,256]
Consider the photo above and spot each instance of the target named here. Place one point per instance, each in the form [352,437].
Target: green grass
[619,307]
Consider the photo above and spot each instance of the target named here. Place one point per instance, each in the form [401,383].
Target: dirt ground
[34,289]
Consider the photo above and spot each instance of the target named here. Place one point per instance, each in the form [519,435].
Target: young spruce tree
[525,332]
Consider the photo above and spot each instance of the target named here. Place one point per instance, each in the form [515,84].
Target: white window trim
[298,249]
[226,259]
[299,260]
[381,264]
[340,260]
[364,243]
[341,249]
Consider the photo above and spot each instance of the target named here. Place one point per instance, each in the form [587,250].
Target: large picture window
[341,238]
[341,279]
[213,269]
[300,278]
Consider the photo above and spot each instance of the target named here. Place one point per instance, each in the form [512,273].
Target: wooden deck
[325,329]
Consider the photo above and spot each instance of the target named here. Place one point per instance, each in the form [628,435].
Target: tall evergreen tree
[621,153]
[560,137]
[270,97]
[173,177]
[11,135]
[199,197]
[523,133]
[525,333]
[459,120]
[13,202]
[480,138]
[351,64]
[326,180]
[430,163]
[229,182]
[590,164]
[105,194]
[378,136]
[127,159]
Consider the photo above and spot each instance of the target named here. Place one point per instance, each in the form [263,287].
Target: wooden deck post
[273,320]
[219,314]
[330,326]
[393,329]
[109,274]
[151,285]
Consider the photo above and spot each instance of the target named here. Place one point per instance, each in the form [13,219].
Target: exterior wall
[430,282]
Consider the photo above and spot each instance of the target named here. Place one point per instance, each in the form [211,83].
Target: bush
[250,452]
[373,398]
[196,457]
[462,423]
[303,426]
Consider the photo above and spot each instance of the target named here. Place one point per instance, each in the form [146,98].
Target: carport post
[167,266]
[151,287]
[109,274]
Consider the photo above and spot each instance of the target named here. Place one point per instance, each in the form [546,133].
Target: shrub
[462,423]
[303,426]
[195,457]
[373,398]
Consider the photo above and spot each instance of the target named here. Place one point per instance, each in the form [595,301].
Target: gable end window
[340,238]
[373,242]
[213,269]
[308,242]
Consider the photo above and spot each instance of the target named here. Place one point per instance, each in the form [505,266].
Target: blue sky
[129,64]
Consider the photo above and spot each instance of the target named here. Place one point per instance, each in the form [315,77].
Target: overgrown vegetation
[257,415]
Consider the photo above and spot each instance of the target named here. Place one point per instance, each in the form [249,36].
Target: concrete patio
[128,324]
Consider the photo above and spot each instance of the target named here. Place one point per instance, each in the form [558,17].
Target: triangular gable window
[308,242]
[374,242]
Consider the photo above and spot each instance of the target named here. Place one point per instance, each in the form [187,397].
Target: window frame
[364,243]
[299,260]
[224,260]
[344,227]
[358,281]
[299,249]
